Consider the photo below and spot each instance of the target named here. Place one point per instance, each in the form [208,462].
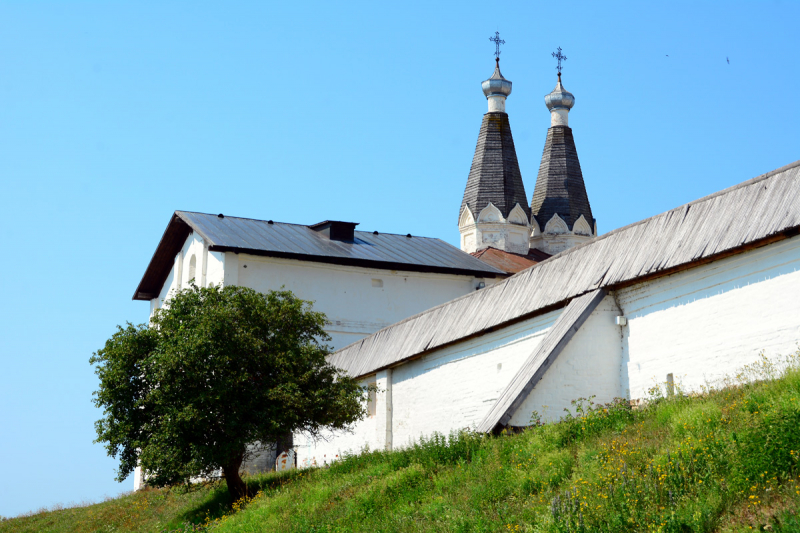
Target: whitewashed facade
[699,319]
[358,301]
[696,292]
[700,325]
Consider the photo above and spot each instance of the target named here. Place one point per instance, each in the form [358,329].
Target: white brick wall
[709,321]
[331,446]
[589,365]
[698,324]
[449,389]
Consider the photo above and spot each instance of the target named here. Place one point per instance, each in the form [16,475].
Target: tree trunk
[236,486]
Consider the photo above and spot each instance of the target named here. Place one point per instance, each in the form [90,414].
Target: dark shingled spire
[495,176]
[559,186]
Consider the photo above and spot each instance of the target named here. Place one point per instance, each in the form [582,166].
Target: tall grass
[721,459]
[724,458]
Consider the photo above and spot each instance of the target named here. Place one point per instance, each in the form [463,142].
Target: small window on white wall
[371,399]
[192,269]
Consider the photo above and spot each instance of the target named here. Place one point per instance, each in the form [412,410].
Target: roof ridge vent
[336,230]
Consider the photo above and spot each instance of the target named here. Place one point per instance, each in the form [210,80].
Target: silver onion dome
[497,85]
[560,98]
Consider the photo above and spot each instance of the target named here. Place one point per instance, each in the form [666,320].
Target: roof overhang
[179,229]
[705,230]
[163,259]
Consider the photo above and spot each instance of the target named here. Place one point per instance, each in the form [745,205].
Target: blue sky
[115,114]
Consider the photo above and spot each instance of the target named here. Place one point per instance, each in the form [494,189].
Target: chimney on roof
[336,230]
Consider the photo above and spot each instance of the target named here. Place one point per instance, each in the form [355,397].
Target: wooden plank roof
[534,367]
[559,185]
[753,213]
[495,176]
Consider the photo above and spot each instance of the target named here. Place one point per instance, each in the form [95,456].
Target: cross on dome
[497,42]
[560,57]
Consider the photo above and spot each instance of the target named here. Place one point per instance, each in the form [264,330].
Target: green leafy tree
[217,370]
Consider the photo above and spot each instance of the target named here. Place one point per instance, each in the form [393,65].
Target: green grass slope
[725,460]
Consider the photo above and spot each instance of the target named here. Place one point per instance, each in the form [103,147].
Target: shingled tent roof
[705,230]
[559,185]
[494,176]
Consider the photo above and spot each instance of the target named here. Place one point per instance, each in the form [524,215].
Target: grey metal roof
[532,370]
[559,185]
[295,241]
[751,214]
[494,176]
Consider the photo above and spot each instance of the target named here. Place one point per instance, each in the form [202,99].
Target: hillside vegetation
[724,460]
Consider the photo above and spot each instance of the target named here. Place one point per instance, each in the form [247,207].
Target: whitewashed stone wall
[449,389]
[590,365]
[453,388]
[208,268]
[704,323]
[699,324]
[357,301]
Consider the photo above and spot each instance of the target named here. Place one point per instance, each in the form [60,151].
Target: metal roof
[295,241]
[754,213]
[510,262]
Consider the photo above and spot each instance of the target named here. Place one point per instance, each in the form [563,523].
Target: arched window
[192,269]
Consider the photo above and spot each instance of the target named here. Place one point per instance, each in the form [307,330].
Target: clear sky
[115,114]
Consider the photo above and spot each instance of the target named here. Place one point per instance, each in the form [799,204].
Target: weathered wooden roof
[494,176]
[559,185]
[750,214]
[566,326]
[295,241]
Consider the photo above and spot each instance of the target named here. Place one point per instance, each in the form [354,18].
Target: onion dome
[497,85]
[560,98]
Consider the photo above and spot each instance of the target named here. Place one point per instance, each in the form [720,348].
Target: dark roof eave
[409,338]
[778,236]
[162,261]
[180,227]
[381,265]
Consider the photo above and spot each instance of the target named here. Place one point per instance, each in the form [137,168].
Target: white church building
[536,309]
[696,292]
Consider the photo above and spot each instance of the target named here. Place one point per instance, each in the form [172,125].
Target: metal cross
[561,57]
[497,42]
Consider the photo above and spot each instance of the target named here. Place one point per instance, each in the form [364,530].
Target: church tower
[494,212]
[561,216]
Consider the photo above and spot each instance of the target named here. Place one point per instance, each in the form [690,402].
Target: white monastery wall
[707,322]
[449,389]
[453,388]
[589,365]
[357,301]
[332,446]
[699,324]
[181,273]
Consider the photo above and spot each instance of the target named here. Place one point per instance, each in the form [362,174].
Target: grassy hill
[725,460]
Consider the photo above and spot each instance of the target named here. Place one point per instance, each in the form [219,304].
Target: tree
[218,369]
